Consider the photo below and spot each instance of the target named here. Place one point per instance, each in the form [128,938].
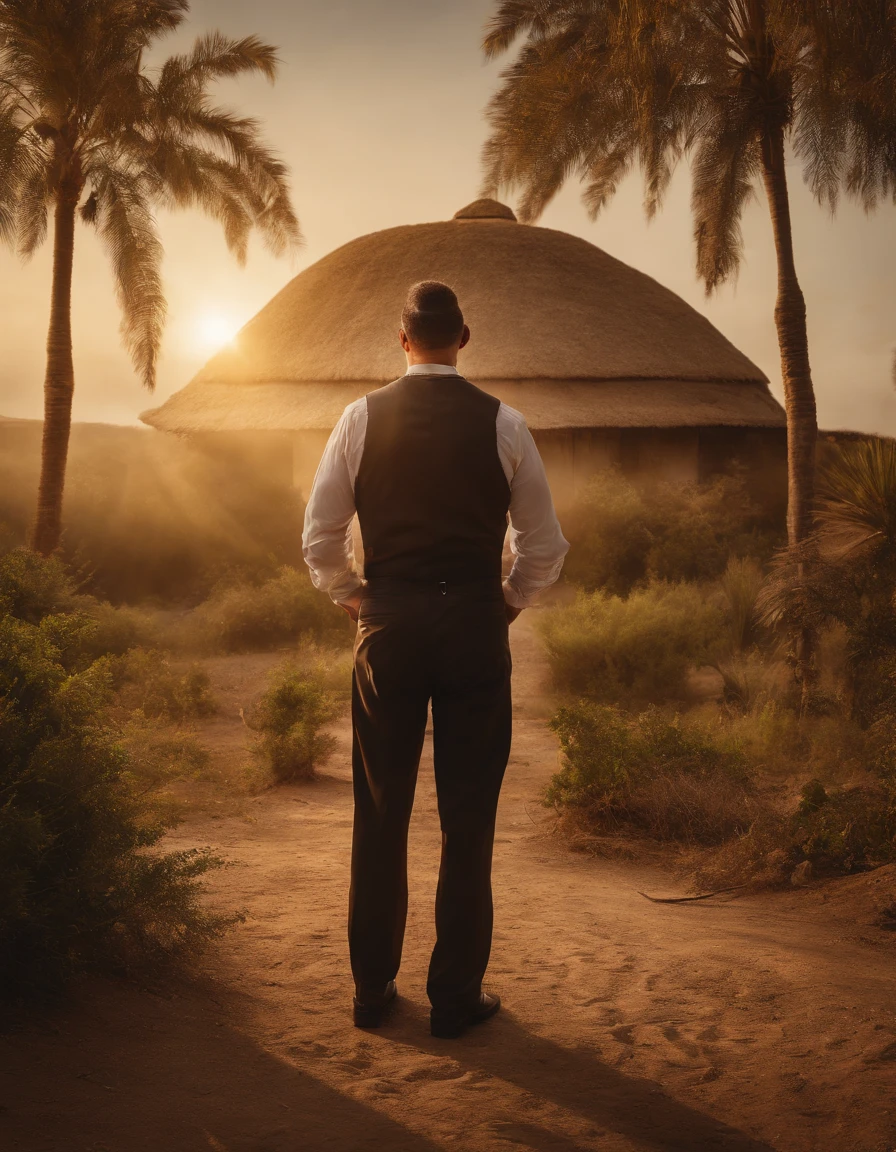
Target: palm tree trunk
[799,394]
[59,382]
[793,339]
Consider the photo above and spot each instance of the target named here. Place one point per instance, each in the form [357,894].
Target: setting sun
[214,330]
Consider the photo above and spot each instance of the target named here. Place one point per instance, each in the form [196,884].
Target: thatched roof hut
[585,346]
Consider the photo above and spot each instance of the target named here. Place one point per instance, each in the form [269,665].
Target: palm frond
[32,211]
[215,57]
[857,508]
[515,18]
[724,174]
[599,86]
[128,229]
[79,109]
[20,161]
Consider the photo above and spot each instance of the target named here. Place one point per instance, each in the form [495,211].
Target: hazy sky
[378,111]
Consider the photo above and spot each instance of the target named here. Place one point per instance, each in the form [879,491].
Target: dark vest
[431,494]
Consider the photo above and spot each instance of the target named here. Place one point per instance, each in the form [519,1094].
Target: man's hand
[512,612]
[352,605]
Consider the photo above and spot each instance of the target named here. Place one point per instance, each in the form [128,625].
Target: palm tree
[87,129]
[600,85]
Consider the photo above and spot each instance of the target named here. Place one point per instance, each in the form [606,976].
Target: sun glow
[214,330]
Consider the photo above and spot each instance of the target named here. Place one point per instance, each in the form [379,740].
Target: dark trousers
[416,644]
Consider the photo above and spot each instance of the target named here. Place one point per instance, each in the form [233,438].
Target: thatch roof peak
[485,209]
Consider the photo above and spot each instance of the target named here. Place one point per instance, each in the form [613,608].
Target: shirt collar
[432,370]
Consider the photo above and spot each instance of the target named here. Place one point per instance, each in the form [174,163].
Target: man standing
[433,466]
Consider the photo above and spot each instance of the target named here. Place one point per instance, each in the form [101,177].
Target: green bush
[82,884]
[32,586]
[783,746]
[158,756]
[148,683]
[741,584]
[289,717]
[243,616]
[623,536]
[847,829]
[652,774]
[609,530]
[637,650]
[116,631]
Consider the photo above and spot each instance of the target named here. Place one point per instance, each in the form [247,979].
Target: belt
[402,586]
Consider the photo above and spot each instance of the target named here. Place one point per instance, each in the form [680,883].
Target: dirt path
[753,1024]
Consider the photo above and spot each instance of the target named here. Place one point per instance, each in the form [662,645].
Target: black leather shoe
[448,1024]
[369,1011]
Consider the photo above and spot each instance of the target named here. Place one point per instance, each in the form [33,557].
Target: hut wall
[660,455]
[670,455]
[571,457]
[759,454]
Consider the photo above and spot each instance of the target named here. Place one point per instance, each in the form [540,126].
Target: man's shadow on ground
[579,1081]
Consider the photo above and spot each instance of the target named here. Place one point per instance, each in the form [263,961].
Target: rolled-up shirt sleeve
[536,540]
[327,537]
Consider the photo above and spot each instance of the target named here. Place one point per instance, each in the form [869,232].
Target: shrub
[610,536]
[82,883]
[150,684]
[157,757]
[846,830]
[783,746]
[32,586]
[623,536]
[650,773]
[244,616]
[289,717]
[845,575]
[634,650]
[698,528]
[741,584]
[839,830]
[116,631]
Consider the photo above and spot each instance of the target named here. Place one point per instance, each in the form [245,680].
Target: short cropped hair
[432,317]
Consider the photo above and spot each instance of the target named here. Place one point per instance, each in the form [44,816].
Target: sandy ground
[765,1022]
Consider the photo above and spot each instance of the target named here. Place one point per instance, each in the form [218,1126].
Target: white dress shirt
[536,541]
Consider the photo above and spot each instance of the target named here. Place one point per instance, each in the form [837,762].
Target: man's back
[431,493]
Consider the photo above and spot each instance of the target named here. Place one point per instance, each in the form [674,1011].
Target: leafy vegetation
[652,773]
[638,650]
[819,782]
[242,616]
[598,87]
[150,684]
[846,830]
[83,884]
[624,537]
[289,717]
[845,575]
